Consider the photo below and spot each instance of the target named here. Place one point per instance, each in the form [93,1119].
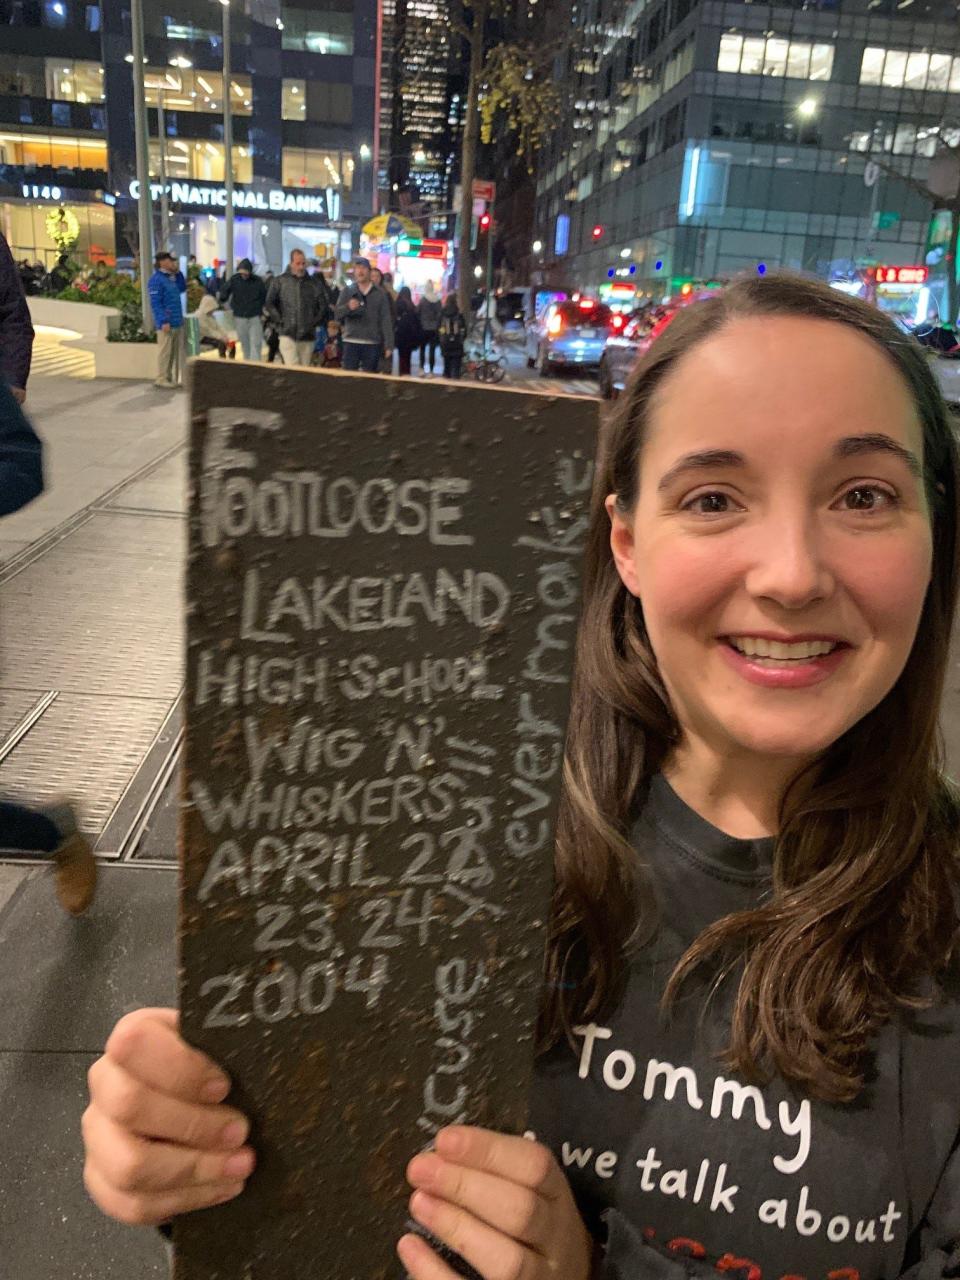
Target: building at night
[429,67]
[304,95]
[708,138]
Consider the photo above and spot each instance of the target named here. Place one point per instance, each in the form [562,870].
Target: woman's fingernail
[235,1134]
[422,1206]
[215,1089]
[425,1167]
[240,1165]
[230,1194]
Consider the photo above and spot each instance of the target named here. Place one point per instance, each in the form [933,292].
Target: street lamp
[538,246]
[227,139]
[144,207]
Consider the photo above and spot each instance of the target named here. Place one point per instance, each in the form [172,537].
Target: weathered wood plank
[383,594]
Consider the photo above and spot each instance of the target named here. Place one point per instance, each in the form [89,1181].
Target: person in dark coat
[429,309]
[16,329]
[293,304]
[21,455]
[246,294]
[453,336]
[408,333]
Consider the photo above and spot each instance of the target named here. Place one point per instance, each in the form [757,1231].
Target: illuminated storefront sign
[901,275]
[264,200]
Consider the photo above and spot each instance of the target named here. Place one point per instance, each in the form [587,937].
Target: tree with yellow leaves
[509,84]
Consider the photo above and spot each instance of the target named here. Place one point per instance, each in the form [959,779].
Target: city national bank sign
[325,205]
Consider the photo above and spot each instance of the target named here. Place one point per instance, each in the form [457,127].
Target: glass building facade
[705,139]
[303,93]
[424,85]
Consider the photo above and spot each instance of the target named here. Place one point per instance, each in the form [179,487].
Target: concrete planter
[123,359]
[84,318]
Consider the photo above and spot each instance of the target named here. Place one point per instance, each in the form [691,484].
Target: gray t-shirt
[691,1172]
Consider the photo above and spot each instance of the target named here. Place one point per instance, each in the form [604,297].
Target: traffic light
[485,221]
[597,231]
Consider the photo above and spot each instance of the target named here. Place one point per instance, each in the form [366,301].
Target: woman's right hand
[158,1141]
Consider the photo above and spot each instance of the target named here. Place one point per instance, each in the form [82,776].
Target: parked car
[569,335]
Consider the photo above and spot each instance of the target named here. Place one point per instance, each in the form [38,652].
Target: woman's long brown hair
[862,914]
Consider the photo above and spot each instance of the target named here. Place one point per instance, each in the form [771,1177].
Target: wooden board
[382,601]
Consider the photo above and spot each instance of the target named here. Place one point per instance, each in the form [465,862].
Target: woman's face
[779,505]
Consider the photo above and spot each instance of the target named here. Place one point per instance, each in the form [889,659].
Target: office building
[707,138]
[429,79]
[304,99]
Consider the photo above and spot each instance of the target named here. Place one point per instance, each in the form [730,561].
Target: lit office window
[774,56]
[894,68]
[751,63]
[898,69]
[306,167]
[69,81]
[871,69]
[202,91]
[34,152]
[326,31]
[821,62]
[200,160]
[294,99]
[730,49]
[938,76]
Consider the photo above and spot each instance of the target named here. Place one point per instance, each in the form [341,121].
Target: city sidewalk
[90,613]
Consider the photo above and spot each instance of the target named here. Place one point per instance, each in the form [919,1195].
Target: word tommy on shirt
[620,1070]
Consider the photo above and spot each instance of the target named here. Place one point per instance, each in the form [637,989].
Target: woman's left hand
[501,1203]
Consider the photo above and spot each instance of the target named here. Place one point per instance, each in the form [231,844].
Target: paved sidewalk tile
[86,973]
[49,1227]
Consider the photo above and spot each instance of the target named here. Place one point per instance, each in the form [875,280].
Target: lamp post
[227,139]
[164,194]
[144,204]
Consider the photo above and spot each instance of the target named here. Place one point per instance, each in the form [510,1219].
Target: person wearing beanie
[453,336]
[429,310]
[246,294]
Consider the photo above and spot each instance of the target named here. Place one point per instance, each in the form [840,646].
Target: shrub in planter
[130,327]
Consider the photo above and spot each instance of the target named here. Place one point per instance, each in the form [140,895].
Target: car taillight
[555,324]
[616,324]
[586,304]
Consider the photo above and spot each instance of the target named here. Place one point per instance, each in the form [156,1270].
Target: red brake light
[586,304]
[617,323]
[555,324]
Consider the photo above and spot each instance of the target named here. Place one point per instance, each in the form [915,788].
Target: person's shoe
[165,386]
[75,865]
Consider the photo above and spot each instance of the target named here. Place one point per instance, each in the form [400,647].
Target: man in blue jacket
[168,318]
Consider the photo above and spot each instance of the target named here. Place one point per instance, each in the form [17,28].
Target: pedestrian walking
[50,833]
[246,294]
[380,279]
[212,332]
[750,1021]
[16,328]
[429,310]
[453,336]
[409,335]
[364,312]
[168,319]
[292,304]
